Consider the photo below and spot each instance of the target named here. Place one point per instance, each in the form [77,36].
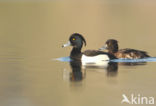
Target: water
[111,66]
[121,60]
[31,36]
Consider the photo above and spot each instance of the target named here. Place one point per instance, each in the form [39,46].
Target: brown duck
[112,46]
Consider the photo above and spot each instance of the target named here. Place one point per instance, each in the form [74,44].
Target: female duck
[76,40]
[112,46]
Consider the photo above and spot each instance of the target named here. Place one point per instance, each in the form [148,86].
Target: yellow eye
[73,39]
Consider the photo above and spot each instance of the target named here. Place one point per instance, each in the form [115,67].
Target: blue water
[149,59]
[64,59]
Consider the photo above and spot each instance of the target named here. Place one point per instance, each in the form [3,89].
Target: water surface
[31,36]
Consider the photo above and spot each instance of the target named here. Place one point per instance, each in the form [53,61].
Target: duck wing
[97,52]
[131,53]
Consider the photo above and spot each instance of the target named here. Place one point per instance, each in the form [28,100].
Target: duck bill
[103,47]
[67,44]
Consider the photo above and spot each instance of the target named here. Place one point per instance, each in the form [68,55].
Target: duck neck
[113,49]
[76,53]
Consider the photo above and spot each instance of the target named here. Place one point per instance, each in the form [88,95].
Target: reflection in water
[111,67]
[132,63]
[142,60]
[78,73]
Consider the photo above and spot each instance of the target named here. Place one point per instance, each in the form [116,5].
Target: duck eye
[73,39]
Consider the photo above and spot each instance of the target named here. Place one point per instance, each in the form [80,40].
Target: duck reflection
[76,74]
[112,69]
[79,73]
[132,63]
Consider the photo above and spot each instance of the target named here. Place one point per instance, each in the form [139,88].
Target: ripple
[63,59]
[149,59]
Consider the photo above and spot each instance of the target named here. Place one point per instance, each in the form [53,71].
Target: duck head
[76,40]
[111,45]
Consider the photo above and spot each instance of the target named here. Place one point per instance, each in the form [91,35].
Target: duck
[77,41]
[112,46]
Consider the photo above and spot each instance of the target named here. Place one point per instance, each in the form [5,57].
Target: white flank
[99,60]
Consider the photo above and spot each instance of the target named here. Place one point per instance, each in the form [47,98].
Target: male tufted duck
[76,40]
[112,46]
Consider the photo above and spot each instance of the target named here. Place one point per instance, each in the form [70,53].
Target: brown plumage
[112,47]
[131,54]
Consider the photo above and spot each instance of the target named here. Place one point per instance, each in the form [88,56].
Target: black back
[97,52]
